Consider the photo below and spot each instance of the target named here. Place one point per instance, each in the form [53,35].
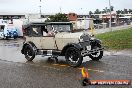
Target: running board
[48,52]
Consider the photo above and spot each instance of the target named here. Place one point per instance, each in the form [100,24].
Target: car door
[48,39]
[48,42]
[36,36]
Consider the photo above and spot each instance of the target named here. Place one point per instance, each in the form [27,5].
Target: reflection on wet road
[111,66]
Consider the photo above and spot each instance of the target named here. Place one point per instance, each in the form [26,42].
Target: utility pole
[60,10]
[110,16]
[40,12]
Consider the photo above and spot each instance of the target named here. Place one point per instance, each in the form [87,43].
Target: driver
[52,32]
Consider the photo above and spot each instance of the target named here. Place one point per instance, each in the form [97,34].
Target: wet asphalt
[17,72]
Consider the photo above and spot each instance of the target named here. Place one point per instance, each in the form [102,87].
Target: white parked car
[57,39]
[7,31]
[2,31]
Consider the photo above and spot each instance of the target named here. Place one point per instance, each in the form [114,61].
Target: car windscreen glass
[62,28]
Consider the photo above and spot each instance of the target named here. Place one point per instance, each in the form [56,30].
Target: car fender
[28,43]
[76,45]
[95,42]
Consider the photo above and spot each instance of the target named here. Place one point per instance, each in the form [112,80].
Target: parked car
[2,31]
[8,32]
[57,39]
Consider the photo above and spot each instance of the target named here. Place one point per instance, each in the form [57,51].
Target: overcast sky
[53,6]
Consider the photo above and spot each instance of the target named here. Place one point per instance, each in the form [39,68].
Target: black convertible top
[46,23]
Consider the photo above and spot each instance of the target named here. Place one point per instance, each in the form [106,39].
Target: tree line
[106,10]
[61,17]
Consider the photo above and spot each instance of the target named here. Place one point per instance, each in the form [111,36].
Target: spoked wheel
[73,57]
[29,53]
[96,55]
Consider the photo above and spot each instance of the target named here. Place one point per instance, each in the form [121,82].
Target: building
[7,16]
[117,19]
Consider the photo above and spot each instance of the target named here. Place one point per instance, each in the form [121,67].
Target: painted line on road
[96,70]
[93,70]
[61,65]
[53,67]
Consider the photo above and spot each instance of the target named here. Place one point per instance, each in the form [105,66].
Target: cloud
[53,6]
[6,1]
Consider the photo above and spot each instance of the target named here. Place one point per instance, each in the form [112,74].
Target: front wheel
[15,37]
[96,56]
[29,52]
[73,57]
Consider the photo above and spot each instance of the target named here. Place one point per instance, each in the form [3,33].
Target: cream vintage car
[57,39]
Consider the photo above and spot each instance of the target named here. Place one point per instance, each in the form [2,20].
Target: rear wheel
[29,52]
[97,55]
[73,57]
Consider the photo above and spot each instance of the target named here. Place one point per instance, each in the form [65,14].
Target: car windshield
[59,28]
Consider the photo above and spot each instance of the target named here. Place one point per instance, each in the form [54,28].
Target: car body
[8,31]
[57,39]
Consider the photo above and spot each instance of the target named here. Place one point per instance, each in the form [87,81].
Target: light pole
[110,16]
[40,12]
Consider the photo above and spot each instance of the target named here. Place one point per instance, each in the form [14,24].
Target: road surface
[16,72]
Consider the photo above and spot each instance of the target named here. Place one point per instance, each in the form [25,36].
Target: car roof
[46,23]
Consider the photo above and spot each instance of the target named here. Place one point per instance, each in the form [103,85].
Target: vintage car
[57,39]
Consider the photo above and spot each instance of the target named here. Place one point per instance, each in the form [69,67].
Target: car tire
[96,58]
[6,38]
[15,37]
[29,52]
[73,54]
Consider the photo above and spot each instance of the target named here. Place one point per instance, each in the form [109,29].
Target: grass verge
[117,40]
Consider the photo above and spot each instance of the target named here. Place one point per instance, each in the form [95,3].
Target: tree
[130,11]
[112,8]
[122,12]
[106,10]
[57,18]
[90,13]
[125,11]
[118,11]
[97,11]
